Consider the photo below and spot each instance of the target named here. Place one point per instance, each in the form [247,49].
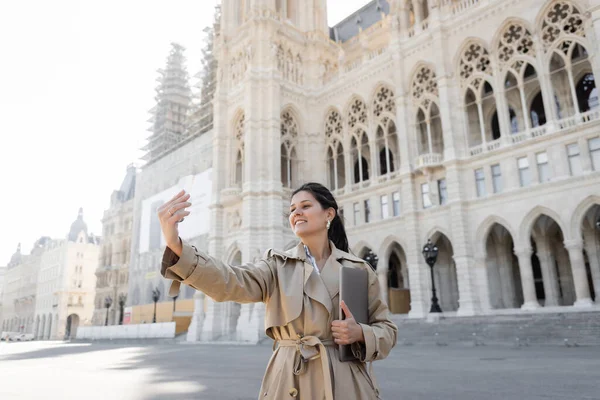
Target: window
[425,195]
[543,166]
[496,178]
[480,182]
[384,207]
[594,146]
[356,213]
[367,211]
[396,203]
[443,191]
[574,159]
[524,174]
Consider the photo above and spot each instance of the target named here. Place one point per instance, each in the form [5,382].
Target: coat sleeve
[380,333]
[248,283]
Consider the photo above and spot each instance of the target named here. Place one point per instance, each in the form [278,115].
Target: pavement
[60,370]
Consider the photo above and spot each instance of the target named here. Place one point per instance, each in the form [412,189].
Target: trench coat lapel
[330,275]
[313,285]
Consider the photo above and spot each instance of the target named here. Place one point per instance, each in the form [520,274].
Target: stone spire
[173,100]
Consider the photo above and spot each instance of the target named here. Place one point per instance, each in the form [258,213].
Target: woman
[300,288]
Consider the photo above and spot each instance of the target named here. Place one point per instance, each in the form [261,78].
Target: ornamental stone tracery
[384,101]
[515,40]
[333,124]
[475,59]
[357,113]
[562,18]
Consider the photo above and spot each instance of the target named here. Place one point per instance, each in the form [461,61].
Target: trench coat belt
[310,348]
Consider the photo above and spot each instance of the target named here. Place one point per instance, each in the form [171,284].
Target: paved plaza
[56,370]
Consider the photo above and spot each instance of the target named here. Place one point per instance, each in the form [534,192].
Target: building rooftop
[369,14]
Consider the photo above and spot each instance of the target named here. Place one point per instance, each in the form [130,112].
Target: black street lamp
[155,297]
[430,252]
[372,259]
[122,300]
[107,303]
[174,300]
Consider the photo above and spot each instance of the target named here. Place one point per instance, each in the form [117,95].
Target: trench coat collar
[298,253]
[324,286]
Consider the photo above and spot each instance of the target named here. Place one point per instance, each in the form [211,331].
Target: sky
[77,79]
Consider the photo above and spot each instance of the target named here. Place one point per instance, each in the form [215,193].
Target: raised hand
[346,331]
[170,214]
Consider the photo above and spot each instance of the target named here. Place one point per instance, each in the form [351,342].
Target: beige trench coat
[300,307]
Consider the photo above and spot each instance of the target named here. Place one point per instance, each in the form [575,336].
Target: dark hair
[336,232]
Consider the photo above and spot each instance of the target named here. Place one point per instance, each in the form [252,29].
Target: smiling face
[307,216]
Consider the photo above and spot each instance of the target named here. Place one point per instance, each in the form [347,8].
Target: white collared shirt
[311,259]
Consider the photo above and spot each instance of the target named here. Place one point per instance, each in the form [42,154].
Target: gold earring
[328,224]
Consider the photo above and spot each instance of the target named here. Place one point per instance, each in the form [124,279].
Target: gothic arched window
[384,110]
[516,57]
[425,98]
[289,159]
[562,33]
[476,74]
[335,150]
[238,176]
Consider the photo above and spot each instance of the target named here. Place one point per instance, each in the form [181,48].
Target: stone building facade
[50,291]
[112,275]
[470,123]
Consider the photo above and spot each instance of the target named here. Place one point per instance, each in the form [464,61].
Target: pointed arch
[361,246]
[388,243]
[231,251]
[425,99]
[435,233]
[529,220]
[484,229]
[475,72]
[576,220]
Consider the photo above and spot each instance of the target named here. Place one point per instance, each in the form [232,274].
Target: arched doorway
[444,273]
[397,280]
[548,245]
[72,325]
[504,279]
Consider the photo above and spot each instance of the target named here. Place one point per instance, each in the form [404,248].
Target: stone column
[418,10]
[547,263]
[542,69]
[196,325]
[494,282]
[565,275]
[481,273]
[592,32]
[530,301]
[582,290]
[404,17]
[593,253]
[504,256]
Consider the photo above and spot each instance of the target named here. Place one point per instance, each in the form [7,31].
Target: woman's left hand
[347,331]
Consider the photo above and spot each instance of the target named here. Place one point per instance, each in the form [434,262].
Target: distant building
[112,274]
[51,291]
